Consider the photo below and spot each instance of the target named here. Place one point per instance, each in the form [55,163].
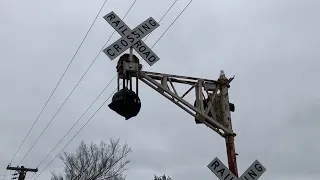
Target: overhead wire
[92,102]
[55,88]
[76,122]
[165,14]
[96,98]
[172,23]
[74,88]
[76,133]
[107,98]
[59,80]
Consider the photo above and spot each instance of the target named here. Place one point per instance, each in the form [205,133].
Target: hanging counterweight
[125,101]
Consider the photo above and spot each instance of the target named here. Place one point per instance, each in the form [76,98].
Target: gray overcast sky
[270,45]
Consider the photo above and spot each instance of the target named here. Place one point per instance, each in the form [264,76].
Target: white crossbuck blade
[223,173]
[131,38]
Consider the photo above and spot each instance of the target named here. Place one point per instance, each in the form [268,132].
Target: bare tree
[163,177]
[95,162]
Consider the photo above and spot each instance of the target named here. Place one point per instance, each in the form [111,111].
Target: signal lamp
[126,103]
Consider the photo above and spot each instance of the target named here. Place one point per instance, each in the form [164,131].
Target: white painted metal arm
[150,78]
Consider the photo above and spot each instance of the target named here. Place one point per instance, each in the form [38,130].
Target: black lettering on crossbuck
[220,170]
[223,173]
[130,37]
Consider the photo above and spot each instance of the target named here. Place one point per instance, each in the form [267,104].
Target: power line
[77,121]
[74,88]
[98,95]
[165,14]
[108,97]
[59,80]
[172,23]
[77,132]
[57,84]
[92,102]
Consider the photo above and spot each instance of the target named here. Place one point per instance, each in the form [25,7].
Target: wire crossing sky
[259,42]
[74,88]
[55,89]
[102,92]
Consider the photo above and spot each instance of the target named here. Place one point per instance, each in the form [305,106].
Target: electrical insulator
[126,103]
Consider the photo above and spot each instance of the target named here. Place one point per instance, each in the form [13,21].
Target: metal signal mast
[211,106]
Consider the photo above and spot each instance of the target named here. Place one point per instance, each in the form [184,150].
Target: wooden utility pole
[22,171]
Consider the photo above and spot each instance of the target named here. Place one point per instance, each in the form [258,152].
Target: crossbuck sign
[131,38]
[223,173]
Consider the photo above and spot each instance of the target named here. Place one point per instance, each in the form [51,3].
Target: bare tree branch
[163,177]
[105,161]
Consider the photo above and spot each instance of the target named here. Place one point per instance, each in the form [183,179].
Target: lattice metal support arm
[205,89]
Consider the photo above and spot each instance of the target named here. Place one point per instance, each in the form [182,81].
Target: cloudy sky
[270,45]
